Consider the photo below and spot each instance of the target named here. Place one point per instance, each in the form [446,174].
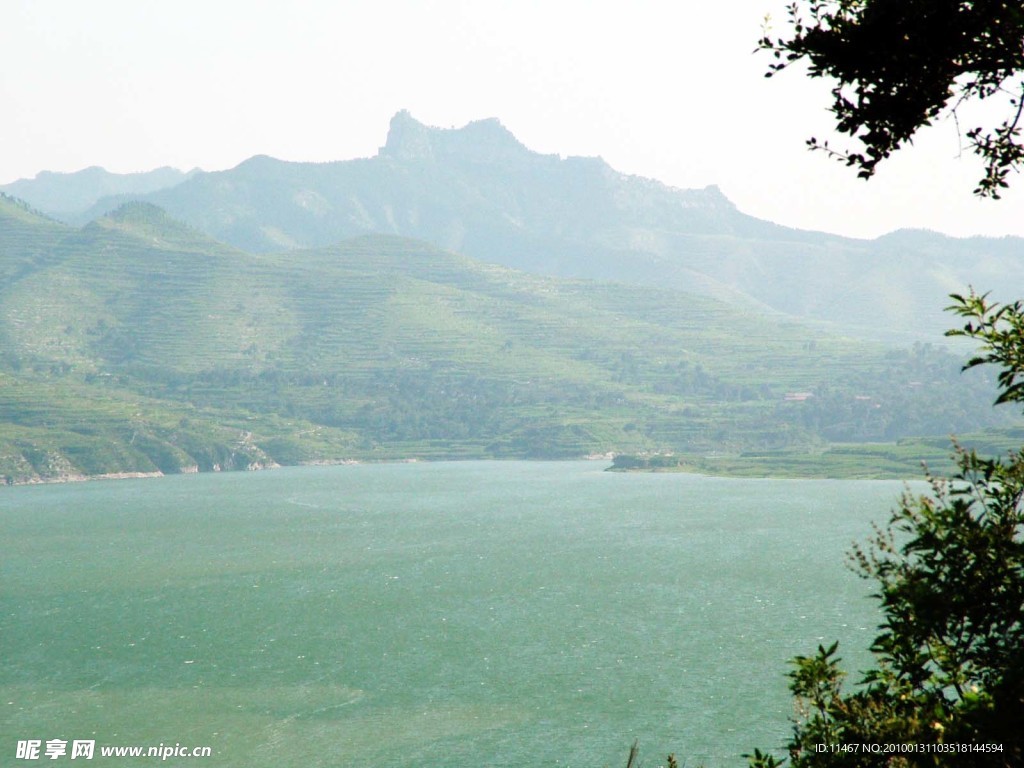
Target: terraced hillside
[27,239]
[137,344]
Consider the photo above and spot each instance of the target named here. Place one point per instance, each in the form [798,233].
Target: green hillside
[57,427]
[138,344]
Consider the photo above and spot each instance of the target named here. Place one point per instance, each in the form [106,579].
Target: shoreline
[80,478]
[688,469]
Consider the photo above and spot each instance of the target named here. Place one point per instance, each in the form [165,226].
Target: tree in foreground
[948,683]
[898,65]
[947,687]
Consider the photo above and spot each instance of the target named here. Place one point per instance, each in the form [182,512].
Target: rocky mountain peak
[481,141]
[408,139]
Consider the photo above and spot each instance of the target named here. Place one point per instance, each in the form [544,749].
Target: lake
[448,614]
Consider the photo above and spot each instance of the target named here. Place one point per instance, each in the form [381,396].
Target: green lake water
[452,614]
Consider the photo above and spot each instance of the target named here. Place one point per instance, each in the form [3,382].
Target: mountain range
[478,191]
[456,296]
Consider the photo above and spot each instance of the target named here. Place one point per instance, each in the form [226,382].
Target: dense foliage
[948,685]
[898,65]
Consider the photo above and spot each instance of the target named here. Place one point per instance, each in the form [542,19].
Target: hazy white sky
[668,90]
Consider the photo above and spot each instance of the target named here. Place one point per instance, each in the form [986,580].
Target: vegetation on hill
[139,344]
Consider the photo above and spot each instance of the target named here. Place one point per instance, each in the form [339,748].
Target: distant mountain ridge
[479,191]
[67,196]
